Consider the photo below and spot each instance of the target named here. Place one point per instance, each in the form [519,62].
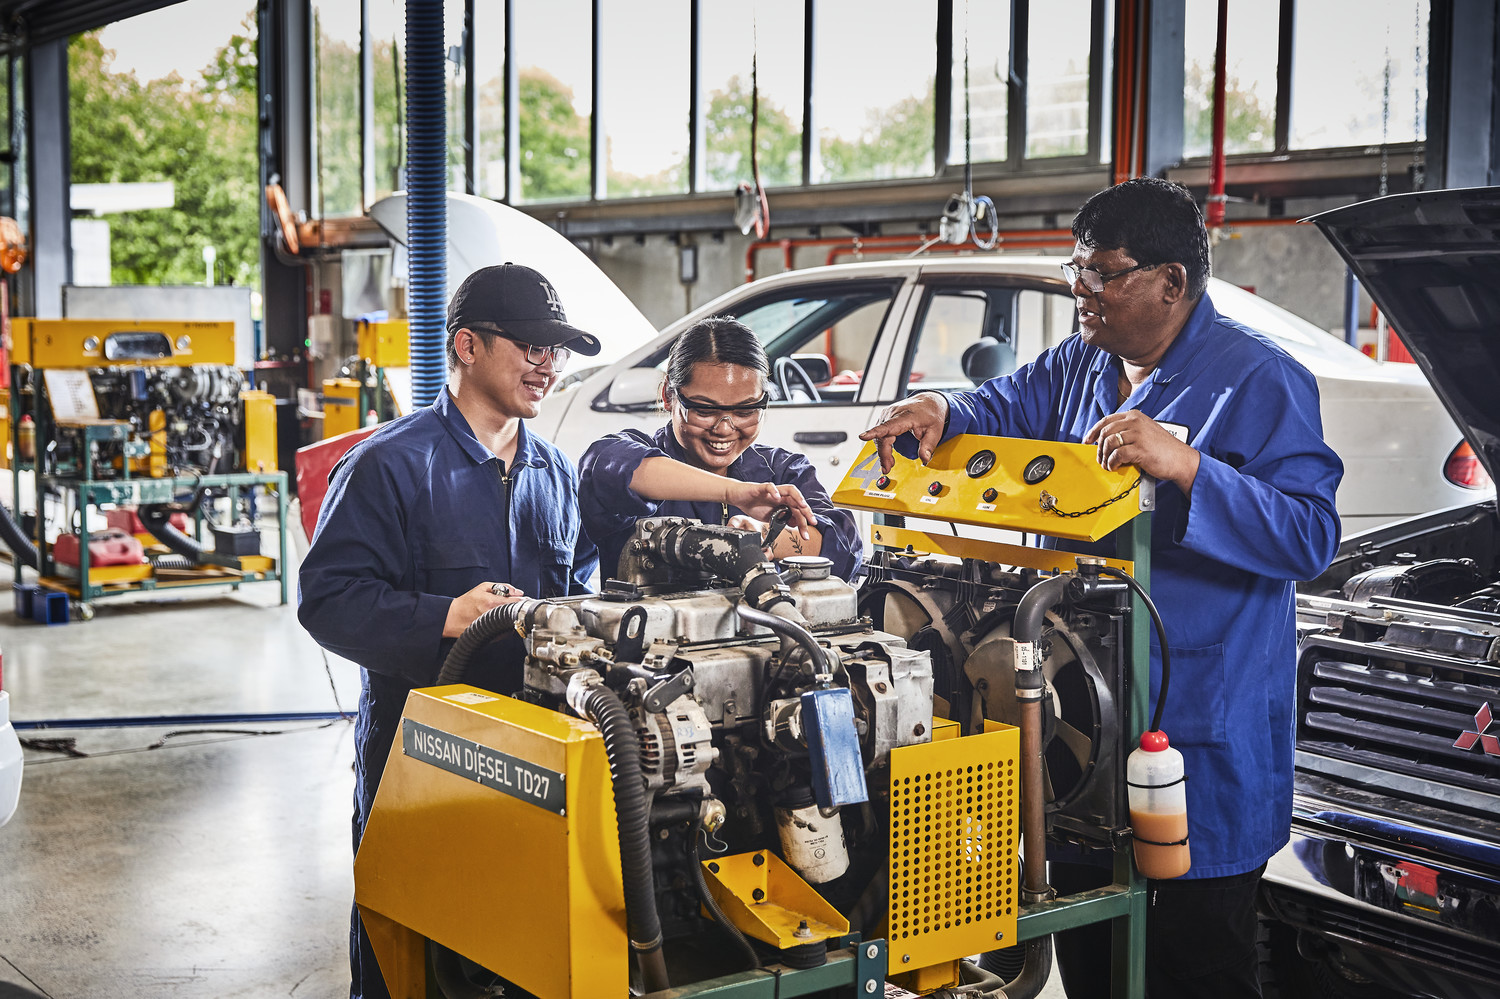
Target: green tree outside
[1249,124]
[199,135]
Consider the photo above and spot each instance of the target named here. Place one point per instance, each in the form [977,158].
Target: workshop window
[555,92]
[1057,85]
[1250,78]
[489,124]
[336,30]
[873,90]
[985,29]
[1375,90]
[644,89]
[771,31]
[387,41]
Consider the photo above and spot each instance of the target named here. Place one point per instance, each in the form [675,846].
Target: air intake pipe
[486,628]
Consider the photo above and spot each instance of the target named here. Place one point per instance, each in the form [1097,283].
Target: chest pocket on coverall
[451,566]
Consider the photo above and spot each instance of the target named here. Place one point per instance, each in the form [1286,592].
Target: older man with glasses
[1229,425]
[444,514]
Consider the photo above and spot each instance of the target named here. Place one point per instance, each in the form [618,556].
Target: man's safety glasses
[535,353]
[1093,279]
[702,414]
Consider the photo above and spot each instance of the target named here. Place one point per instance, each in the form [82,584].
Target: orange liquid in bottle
[1160,861]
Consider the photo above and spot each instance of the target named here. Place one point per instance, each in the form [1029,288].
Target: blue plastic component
[25,597]
[50,607]
[838,768]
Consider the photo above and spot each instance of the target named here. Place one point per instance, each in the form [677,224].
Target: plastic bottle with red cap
[1158,807]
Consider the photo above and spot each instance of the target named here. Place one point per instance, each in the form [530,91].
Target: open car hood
[1431,261]
[483,232]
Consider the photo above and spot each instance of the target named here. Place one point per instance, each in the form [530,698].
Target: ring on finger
[1119,440]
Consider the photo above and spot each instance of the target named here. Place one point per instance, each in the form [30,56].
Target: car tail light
[1463,468]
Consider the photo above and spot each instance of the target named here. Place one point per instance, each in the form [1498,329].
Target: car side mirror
[636,389]
[817,367]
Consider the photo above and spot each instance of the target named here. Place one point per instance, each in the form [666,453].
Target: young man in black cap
[443,514]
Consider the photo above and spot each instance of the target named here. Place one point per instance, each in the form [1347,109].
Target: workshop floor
[215,866]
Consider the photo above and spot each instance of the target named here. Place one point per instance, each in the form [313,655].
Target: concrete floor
[215,866]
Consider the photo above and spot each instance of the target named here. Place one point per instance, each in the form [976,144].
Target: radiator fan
[973,671]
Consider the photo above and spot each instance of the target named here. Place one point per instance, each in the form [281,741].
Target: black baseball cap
[519,301]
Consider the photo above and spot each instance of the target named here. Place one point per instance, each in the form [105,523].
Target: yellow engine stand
[493,834]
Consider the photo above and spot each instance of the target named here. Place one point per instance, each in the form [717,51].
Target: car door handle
[821,437]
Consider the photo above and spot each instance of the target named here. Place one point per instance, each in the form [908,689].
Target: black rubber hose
[486,628]
[1161,639]
[157,519]
[1034,973]
[632,810]
[15,539]
[787,629]
[711,904]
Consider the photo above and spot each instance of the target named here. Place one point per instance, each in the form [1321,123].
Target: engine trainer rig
[727,779]
[151,417]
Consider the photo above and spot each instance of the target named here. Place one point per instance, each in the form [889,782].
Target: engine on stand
[192,414]
[726,690]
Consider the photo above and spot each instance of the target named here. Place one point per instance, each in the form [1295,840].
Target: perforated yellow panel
[955,808]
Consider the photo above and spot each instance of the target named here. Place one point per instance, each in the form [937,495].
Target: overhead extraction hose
[486,628]
[426,197]
[632,813]
[157,519]
[15,539]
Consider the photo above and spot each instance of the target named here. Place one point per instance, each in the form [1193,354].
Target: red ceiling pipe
[1215,217]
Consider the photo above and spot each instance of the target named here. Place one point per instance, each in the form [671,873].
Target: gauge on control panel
[980,464]
[1038,468]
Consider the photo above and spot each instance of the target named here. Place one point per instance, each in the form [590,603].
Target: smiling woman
[705,463]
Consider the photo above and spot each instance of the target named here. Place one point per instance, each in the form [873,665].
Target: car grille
[1402,711]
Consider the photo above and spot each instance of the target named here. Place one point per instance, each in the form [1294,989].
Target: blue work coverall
[610,507]
[1224,561]
[418,514]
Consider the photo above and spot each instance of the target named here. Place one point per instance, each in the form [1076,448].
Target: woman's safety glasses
[707,415]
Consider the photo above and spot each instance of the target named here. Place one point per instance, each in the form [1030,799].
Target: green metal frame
[128,490]
[88,492]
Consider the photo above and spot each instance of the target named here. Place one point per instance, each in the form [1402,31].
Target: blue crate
[25,598]
[50,607]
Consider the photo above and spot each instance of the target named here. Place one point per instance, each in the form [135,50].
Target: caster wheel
[84,611]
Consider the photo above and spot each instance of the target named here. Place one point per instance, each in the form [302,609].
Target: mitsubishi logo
[552,301]
[1482,720]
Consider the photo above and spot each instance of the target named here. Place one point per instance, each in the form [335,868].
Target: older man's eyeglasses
[1095,280]
[535,353]
[708,415]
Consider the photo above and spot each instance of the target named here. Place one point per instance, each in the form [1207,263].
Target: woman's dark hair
[715,340]
[1153,220]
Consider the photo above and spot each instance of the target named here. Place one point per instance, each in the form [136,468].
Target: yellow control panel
[92,343]
[1040,487]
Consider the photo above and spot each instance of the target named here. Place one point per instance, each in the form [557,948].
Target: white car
[847,340]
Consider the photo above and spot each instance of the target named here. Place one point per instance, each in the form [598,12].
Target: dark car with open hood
[1391,883]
